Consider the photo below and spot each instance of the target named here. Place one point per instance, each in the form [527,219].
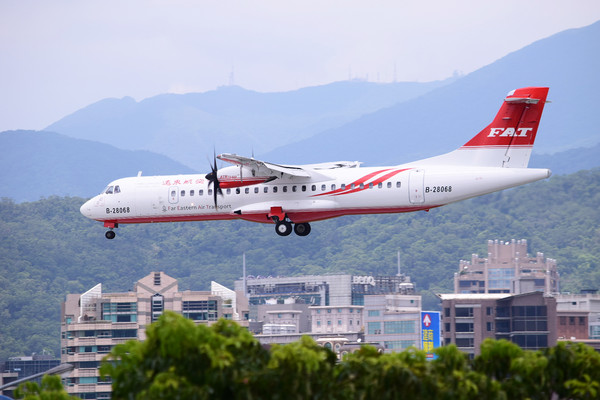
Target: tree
[50,389]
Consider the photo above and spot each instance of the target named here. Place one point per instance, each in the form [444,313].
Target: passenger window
[117,189]
[228,191]
[304,188]
[323,188]
[109,190]
[380,185]
[173,193]
[247,190]
[210,192]
[274,189]
[256,190]
[191,192]
[343,186]
[362,185]
[183,193]
[237,191]
[398,184]
[389,185]
[352,186]
[294,188]
[284,189]
[333,186]
[266,189]
[200,192]
[313,187]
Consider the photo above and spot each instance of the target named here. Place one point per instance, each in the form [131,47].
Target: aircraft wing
[263,168]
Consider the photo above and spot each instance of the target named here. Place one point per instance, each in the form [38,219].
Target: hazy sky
[59,56]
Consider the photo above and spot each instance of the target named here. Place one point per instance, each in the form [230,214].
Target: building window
[119,312]
[488,310]
[581,320]
[157,306]
[465,342]
[563,320]
[531,341]
[399,344]
[446,312]
[339,322]
[447,327]
[489,326]
[463,327]
[124,333]
[374,328]
[201,310]
[463,312]
[392,327]
[318,323]
[373,313]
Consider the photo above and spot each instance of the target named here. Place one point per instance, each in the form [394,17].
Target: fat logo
[506,132]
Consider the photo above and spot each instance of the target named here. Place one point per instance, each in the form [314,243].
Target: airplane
[293,196]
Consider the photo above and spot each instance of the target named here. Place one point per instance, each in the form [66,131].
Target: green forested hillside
[47,249]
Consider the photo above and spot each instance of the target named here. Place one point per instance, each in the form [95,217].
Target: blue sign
[430,332]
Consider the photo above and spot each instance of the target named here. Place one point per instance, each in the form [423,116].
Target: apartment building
[507,269]
[94,322]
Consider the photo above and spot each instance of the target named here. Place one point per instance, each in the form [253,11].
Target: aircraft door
[173,195]
[416,193]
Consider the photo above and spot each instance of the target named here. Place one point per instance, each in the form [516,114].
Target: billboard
[430,332]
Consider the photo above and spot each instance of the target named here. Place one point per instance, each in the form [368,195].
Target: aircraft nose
[86,209]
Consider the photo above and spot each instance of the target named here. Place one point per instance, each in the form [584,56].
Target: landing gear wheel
[302,229]
[283,228]
[110,234]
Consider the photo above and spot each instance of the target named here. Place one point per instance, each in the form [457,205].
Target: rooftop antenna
[231,77]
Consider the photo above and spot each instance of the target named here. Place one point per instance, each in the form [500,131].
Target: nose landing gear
[110,234]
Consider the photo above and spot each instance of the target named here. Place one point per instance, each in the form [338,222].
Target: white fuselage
[331,193]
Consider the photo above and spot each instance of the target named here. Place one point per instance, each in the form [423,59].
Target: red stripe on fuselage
[294,216]
[375,182]
[356,182]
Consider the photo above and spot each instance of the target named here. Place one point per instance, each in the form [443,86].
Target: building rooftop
[473,296]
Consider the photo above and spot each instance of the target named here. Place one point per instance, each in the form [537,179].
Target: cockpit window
[109,190]
[117,189]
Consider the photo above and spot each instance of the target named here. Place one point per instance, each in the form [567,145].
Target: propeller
[214,179]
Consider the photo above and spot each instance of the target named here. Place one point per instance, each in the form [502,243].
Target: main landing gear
[283,225]
[284,228]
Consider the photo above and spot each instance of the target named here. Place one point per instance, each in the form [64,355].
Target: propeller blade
[213,179]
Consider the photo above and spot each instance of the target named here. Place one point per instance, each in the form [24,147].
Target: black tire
[283,228]
[302,229]
[110,234]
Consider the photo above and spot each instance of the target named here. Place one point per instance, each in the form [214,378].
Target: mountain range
[445,118]
[230,119]
[375,123]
